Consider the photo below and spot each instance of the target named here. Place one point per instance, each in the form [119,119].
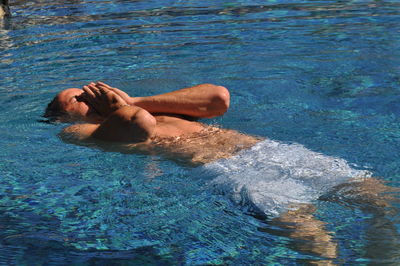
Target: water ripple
[320,73]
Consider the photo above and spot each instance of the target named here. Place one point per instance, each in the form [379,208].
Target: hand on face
[119,92]
[104,100]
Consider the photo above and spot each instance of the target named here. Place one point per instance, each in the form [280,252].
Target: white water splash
[273,176]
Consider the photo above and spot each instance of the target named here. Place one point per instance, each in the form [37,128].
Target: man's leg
[307,234]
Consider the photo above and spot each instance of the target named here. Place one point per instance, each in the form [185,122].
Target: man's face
[71,102]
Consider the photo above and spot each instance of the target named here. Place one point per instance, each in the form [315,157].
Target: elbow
[130,124]
[224,98]
[220,101]
[144,124]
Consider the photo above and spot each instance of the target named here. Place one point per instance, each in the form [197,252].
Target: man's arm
[127,124]
[123,123]
[203,101]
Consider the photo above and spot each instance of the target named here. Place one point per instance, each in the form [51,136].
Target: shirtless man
[157,122]
[160,124]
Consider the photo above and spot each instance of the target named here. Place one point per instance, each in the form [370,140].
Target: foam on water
[272,176]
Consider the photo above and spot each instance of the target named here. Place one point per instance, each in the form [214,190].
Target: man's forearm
[204,100]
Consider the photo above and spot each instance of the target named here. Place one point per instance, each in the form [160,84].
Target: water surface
[321,73]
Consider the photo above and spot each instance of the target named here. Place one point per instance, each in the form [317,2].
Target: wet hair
[53,110]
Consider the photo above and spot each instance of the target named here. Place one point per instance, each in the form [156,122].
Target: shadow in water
[29,237]
[47,248]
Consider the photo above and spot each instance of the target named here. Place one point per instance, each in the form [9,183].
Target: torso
[195,143]
[177,139]
[174,126]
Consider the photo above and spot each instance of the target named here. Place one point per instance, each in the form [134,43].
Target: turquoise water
[321,73]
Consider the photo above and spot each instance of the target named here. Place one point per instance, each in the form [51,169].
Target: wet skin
[72,102]
[115,116]
[175,138]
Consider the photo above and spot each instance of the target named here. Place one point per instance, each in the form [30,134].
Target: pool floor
[324,74]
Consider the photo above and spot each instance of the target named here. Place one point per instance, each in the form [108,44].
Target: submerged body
[184,141]
[157,124]
[205,146]
[264,176]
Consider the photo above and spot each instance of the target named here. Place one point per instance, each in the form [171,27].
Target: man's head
[69,105]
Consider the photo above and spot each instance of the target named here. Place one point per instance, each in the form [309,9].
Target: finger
[89,97]
[88,92]
[102,87]
[104,90]
[92,84]
[81,97]
[120,92]
[117,91]
[103,84]
[94,89]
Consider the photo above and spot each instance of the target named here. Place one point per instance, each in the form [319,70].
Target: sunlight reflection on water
[320,73]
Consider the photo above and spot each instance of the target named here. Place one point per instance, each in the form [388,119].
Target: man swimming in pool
[162,122]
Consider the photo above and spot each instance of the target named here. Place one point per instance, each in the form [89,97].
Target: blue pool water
[325,74]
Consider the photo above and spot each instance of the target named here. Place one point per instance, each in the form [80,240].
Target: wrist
[135,100]
[122,105]
[118,106]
